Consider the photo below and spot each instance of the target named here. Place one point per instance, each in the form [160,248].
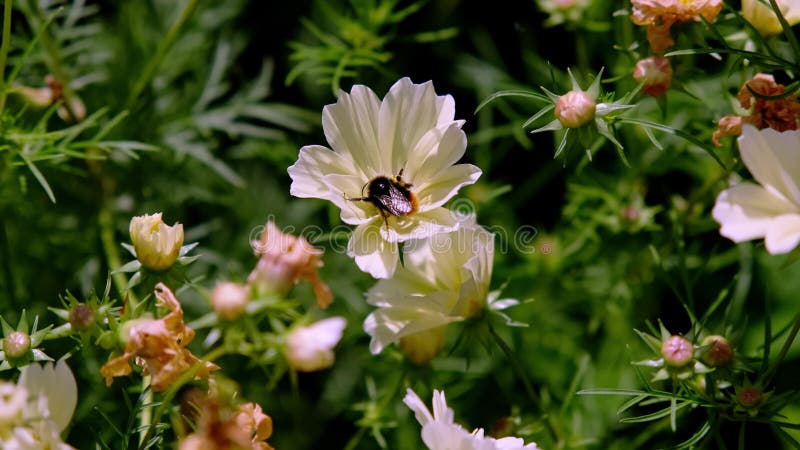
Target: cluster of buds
[681,360]
[780,114]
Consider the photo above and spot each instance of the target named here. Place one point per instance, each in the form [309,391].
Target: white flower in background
[391,168]
[49,395]
[445,279]
[763,17]
[157,244]
[440,432]
[310,348]
[770,209]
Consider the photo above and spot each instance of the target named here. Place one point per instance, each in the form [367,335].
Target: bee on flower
[391,168]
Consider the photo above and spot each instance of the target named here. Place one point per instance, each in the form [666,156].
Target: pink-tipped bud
[229,299]
[575,109]
[81,317]
[656,74]
[719,352]
[749,396]
[677,351]
[16,344]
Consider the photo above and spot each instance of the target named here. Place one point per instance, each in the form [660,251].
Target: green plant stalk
[4,54]
[146,417]
[106,223]
[8,273]
[784,350]
[527,384]
[161,51]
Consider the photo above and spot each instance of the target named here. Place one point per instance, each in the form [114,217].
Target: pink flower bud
[656,74]
[16,344]
[749,396]
[575,109]
[719,352]
[677,351]
[229,299]
[81,317]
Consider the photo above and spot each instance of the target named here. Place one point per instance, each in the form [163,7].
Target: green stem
[106,221]
[4,53]
[8,273]
[161,51]
[784,350]
[523,376]
[146,417]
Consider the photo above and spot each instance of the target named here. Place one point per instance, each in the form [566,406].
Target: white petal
[57,384]
[783,234]
[328,332]
[445,185]
[443,436]
[773,158]
[416,404]
[435,151]
[408,111]
[441,412]
[745,211]
[312,165]
[372,253]
[420,225]
[343,189]
[351,127]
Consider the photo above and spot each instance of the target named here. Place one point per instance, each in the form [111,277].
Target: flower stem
[4,45]
[106,222]
[8,273]
[523,376]
[784,350]
[146,417]
[161,51]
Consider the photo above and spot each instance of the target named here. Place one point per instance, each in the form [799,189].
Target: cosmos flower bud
[575,109]
[310,348]
[157,244]
[719,351]
[229,299]
[655,73]
[16,344]
[81,317]
[677,351]
[749,396]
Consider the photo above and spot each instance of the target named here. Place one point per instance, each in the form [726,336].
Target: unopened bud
[81,317]
[655,73]
[229,299]
[677,351]
[310,348]
[719,351]
[749,396]
[575,109]
[16,344]
[157,244]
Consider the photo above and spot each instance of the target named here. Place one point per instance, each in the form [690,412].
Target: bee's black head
[380,186]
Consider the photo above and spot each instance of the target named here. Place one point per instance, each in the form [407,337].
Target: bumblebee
[391,196]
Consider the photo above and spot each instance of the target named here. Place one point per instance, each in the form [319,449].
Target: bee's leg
[385,215]
[355,199]
[399,179]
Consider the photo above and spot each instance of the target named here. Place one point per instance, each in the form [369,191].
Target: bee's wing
[395,202]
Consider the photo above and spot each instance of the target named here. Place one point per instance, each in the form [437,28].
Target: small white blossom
[770,209]
[310,348]
[440,432]
[445,279]
[411,140]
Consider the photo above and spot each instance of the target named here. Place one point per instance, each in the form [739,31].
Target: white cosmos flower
[50,395]
[310,348]
[770,209]
[440,432]
[412,130]
[445,279]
